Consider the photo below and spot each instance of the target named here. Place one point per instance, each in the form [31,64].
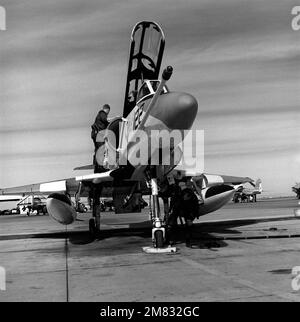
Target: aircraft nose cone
[185,112]
[177,110]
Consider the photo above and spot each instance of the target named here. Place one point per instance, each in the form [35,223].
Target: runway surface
[232,259]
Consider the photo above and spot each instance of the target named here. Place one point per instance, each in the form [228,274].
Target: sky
[60,61]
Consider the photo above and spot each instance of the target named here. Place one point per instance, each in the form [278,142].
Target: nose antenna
[167,73]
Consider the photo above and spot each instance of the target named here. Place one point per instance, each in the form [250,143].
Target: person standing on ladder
[99,125]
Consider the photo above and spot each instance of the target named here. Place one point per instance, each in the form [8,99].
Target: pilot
[132,96]
[132,99]
[99,125]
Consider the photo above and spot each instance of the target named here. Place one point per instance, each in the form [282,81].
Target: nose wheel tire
[159,239]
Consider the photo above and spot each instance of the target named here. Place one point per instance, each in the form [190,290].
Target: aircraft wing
[69,185]
[10,198]
[225,179]
[213,179]
[96,177]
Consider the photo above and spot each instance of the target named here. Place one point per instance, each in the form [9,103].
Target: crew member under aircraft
[99,125]
[184,203]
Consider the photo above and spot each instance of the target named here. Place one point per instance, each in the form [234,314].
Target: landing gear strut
[94,223]
[158,230]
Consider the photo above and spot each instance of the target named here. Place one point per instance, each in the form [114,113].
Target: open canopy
[145,56]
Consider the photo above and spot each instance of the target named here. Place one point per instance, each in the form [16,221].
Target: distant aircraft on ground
[296,189]
[248,195]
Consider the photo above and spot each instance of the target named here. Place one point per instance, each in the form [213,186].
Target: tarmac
[242,252]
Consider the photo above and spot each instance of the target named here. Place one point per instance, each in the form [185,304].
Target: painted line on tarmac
[245,220]
[297,235]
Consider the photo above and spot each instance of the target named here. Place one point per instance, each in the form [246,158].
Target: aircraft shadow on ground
[202,234]
[200,237]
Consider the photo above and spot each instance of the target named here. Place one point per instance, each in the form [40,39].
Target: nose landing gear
[158,230]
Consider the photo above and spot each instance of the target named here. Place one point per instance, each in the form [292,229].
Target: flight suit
[184,203]
[99,125]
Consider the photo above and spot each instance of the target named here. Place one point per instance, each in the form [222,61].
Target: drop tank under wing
[147,44]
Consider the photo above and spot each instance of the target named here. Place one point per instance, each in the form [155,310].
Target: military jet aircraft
[248,195]
[148,105]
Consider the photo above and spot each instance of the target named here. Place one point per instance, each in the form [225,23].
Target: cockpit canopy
[148,89]
[145,56]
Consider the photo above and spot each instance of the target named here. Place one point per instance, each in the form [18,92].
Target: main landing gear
[158,230]
[94,223]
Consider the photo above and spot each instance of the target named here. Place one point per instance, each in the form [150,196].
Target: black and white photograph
[149,153]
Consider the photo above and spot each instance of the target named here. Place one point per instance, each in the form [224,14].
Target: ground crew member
[190,208]
[100,124]
[183,204]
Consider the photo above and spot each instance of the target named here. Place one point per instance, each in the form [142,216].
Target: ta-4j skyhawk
[149,108]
